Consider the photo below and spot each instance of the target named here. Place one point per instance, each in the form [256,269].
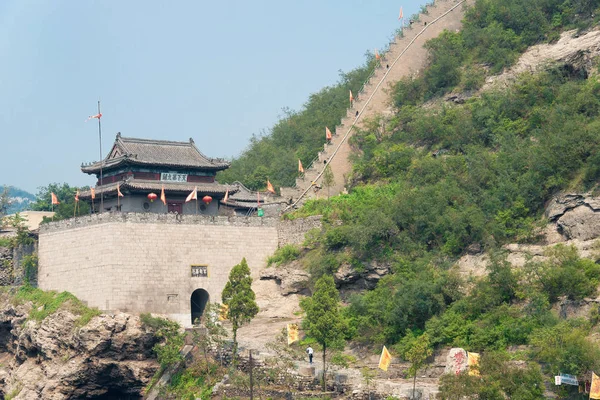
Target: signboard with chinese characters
[199,271]
[566,379]
[173,177]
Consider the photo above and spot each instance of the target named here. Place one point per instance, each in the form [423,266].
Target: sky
[218,72]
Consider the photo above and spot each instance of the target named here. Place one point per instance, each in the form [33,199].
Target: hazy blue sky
[215,71]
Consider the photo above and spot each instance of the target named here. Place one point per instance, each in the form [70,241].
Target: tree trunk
[324,350]
[414,385]
[234,353]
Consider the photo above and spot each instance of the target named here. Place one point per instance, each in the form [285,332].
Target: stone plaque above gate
[199,271]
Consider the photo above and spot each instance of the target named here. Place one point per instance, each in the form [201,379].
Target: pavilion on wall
[141,168]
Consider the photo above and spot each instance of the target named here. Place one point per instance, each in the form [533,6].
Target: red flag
[54,198]
[119,191]
[351,97]
[300,168]
[97,116]
[270,187]
[93,192]
[226,196]
[193,195]
[401,14]
[163,198]
[377,56]
[327,133]
[77,196]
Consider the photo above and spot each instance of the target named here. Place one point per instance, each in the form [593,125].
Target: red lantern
[207,199]
[152,197]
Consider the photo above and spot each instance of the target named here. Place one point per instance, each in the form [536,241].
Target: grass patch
[154,323]
[283,255]
[47,303]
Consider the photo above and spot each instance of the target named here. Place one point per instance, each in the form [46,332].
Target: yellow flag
[473,363]
[223,312]
[292,333]
[385,360]
[595,389]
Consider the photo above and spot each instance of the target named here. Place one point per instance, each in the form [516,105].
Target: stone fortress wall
[143,262]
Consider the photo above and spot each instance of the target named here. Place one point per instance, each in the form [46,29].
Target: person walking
[309,351]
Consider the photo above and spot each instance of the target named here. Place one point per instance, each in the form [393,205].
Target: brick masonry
[142,262]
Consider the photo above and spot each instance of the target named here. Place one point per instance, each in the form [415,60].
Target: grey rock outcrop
[577,216]
[291,278]
[56,359]
[349,278]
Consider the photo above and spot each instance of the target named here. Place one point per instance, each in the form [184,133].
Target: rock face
[6,269]
[110,357]
[576,52]
[577,216]
[290,278]
[293,279]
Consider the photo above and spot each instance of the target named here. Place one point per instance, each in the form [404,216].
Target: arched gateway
[198,304]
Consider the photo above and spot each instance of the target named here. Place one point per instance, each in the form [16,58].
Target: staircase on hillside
[406,56]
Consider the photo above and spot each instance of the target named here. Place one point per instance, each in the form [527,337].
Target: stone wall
[293,231]
[142,262]
[6,266]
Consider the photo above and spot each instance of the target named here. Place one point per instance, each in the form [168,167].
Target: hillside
[19,199]
[438,181]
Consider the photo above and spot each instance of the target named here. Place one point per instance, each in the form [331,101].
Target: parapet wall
[143,262]
[292,232]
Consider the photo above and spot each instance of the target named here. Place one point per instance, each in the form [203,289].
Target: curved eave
[94,168]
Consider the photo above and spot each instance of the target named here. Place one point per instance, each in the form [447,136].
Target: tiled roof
[156,186]
[245,194]
[245,198]
[156,152]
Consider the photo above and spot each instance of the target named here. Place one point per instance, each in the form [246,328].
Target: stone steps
[412,58]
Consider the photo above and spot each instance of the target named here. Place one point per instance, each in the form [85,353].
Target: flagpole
[101,160]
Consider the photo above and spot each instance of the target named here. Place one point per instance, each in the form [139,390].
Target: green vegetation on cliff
[437,179]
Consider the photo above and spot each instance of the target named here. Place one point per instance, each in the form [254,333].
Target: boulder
[456,361]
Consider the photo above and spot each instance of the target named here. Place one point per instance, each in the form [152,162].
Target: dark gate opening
[198,303]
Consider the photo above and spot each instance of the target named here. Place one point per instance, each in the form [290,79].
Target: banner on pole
[385,360]
[595,389]
[473,363]
[292,333]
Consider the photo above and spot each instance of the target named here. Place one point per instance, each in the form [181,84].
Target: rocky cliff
[110,357]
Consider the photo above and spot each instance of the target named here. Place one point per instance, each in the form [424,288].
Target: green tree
[418,351]
[66,197]
[5,202]
[240,298]
[323,320]
[213,335]
[328,178]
